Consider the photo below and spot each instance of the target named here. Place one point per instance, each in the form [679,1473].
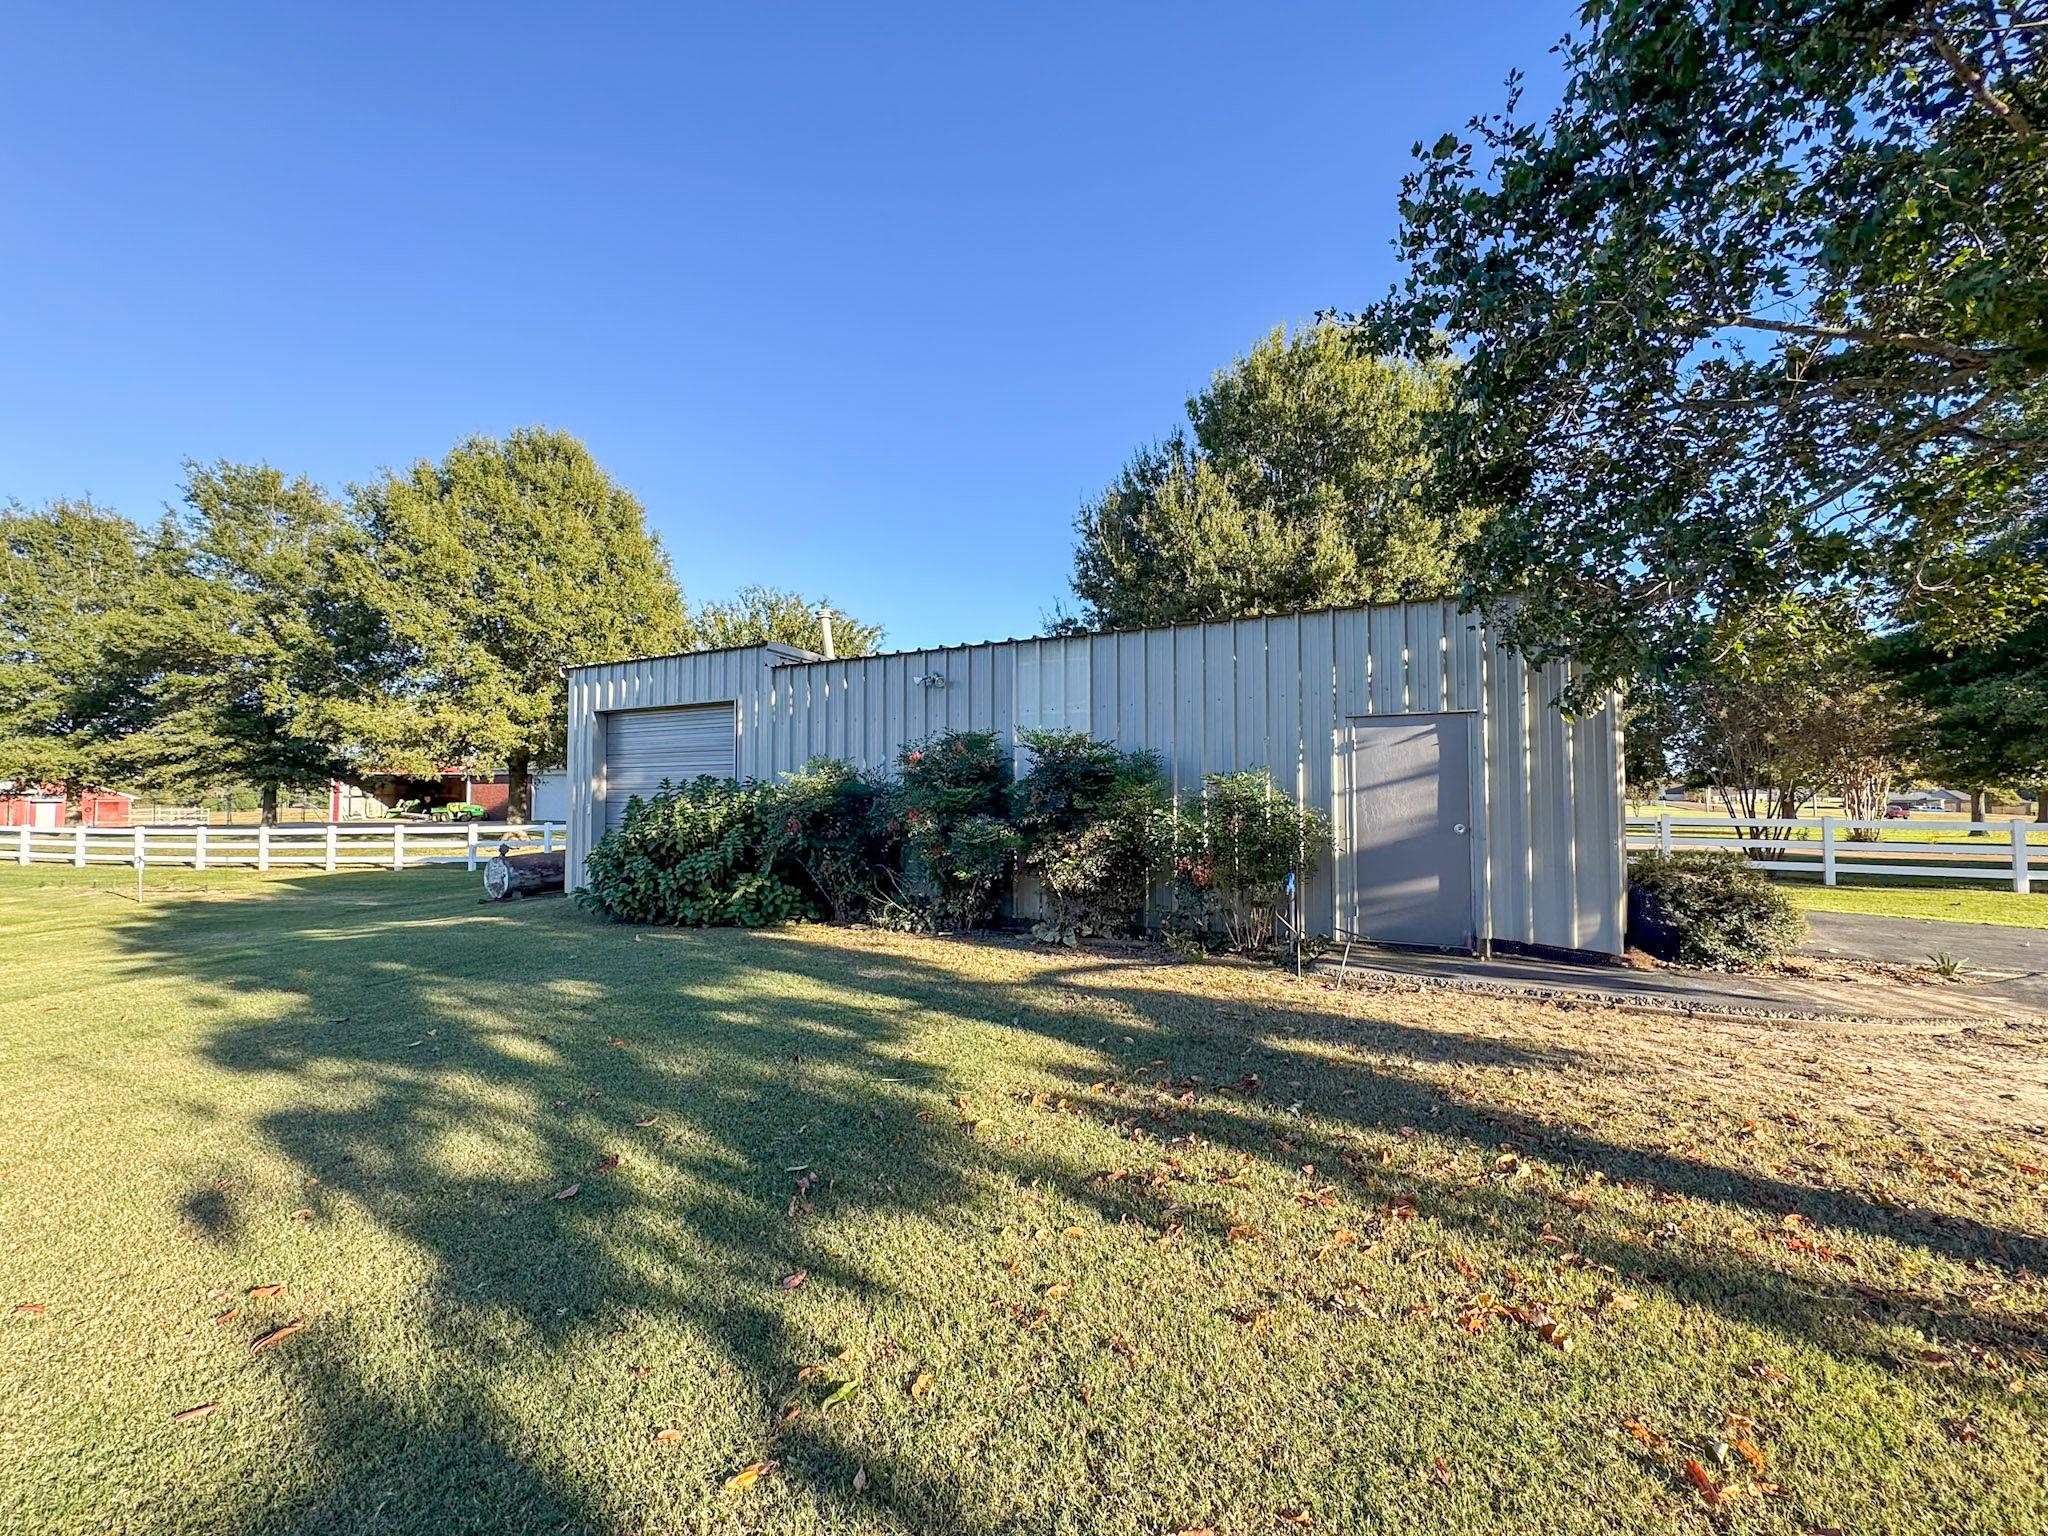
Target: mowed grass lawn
[1942,901]
[572,1223]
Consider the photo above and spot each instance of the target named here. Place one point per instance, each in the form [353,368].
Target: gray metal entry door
[644,746]
[1409,857]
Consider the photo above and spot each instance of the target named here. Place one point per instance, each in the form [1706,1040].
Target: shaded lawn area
[1086,1244]
[1947,901]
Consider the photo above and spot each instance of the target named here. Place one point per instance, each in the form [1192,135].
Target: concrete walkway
[1841,994]
[2016,959]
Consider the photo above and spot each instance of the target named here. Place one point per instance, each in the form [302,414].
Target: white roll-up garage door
[644,746]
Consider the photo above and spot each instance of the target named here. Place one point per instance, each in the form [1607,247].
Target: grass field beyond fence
[345,1204]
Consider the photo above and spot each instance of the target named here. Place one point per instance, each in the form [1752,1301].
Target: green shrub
[1095,825]
[700,854]
[1709,909]
[950,804]
[1234,849]
[834,826]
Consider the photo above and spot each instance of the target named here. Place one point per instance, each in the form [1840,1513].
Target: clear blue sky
[860,299]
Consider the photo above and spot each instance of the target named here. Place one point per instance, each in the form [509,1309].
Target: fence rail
[1784,845]
[318,845]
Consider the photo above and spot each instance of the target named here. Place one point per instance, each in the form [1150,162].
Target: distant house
[376,795]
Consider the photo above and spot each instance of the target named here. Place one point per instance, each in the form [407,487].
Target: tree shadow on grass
[453,1072]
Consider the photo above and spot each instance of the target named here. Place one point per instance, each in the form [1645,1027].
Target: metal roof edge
[794,655]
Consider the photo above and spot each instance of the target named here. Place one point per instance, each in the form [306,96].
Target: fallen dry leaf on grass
[303,1213]
[860,1480]
[643,1124]
[667,1436]
[222,1319]
[570,1193]
[265,1292]
[1298,1518]
[275,1336]
[28,1309]
[1440,1470]
[606,1163]
[794,1279]
[1701,1479]
[748,1475]
[195,1413]
[921,1383]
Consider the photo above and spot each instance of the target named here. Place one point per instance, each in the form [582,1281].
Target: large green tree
[509,560]
[250,644]
[1299,482]
[69,572]
[1988,708]
[1760,306]
[757,614]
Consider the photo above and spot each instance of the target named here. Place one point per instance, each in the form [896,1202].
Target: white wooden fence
[315,845]
[1785,845]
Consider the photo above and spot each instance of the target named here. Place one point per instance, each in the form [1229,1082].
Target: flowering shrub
[1094,824]
[1233,851]
[837,827]
[951,804]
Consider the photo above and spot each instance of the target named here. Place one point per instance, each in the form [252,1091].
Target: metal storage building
[1465,810]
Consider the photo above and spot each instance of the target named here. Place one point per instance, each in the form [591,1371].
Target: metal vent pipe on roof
[825,630]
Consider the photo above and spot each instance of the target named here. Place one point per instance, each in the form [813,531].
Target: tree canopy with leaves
[1988,708]
[510,560]
[69,572]
[1303,485]
[250,640]
[759,615]
[1760,307]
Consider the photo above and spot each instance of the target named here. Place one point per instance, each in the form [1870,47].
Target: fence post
[398,846]
[78,846]
[136,858]
[2022,877]
[472,847]
[199,846]
[333,847]
[1827,850]
[1664,833]
[263,845]
[547,837]
[22,855]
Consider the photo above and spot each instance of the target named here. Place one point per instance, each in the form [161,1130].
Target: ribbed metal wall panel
[1269,693]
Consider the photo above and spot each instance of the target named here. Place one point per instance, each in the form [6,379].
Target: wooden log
[523,874]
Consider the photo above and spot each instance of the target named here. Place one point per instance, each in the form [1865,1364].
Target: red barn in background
[104,808]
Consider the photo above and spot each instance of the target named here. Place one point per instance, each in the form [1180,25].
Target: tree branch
[1971,77]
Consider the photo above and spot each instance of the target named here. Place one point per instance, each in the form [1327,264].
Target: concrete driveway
[2017,956]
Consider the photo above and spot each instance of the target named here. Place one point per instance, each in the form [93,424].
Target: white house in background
[1465,810]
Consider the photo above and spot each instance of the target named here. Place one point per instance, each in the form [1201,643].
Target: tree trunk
[270,805]
[519,786]
[2041,803]
[1977,810]
[523,874]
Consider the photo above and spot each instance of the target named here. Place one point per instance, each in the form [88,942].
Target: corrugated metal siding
[1207,698]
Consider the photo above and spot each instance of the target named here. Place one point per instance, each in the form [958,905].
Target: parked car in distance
[1898,810]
